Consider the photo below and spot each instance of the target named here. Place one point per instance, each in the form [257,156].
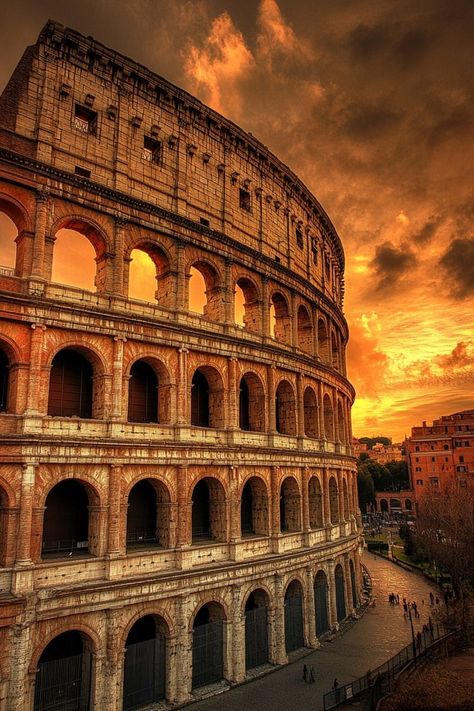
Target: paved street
[380,633]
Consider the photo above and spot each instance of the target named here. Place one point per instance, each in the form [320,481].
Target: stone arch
[9,375]
[310,410]
[207,398]
[333,500]
[294,616]
[150,278]
[148,515]
[328,415]
[384,505]
[212,301]
[256,607]
[148,392]
[323,341]
[280,321]
[339,580]
[14,222]
[285,408]
[315,497]
[5,505]
[254,508]
[68,252]
[304,329]
[251,403]
[321,602]
[335,352]
[395,504]
[64,670]
[145,661]
[408,505]
[71,520]
[290,505]
[247,311]
[208,644]
[74,388]
[208,510]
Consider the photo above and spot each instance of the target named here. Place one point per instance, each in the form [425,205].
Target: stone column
[181,665]
[275,529]
[37,266]
[305,475]
[115,500]
[119,259]
[228,293]
[237,642]
[118,379]
[184,513]
[234,505]
[322,433]
[180,304]
[326,504]
[340,491]
[315,332]
[182,387]
[271,399]
[311,639]
[112,686]
[300,408]
[35,375]
[294,320]
[23,550]
[21,687]
[332,596]
[279,655]
[348,585]
[265,308]
[233,421]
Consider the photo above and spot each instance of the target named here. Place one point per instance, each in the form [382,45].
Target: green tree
[366,490]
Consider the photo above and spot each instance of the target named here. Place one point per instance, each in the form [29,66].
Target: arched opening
[335,352]
[294,625]
[149,277]
[323,341]
[148,515]
[4,378]
[341,428]
[321,588]
[256,629]
[247,306]
[305,330]
[290,506]
[315,503]
[4,511]
[328,415]
[66,520]
[251,403]
[384,505]
[285,410]
[144,674]
[408,506]
[280,322]
[208,511]
[70,385]
[395,505]
[353,583]
[63,676]
[207,398]
[8,239]
[78,243]
[345,497]
[340,593]
[333,501]
[204,291]
[310,408]
[254,508]
[143,388]
[208,645]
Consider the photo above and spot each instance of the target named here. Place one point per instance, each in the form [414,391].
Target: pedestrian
[405,609]
[398,599]
[305,673]
[311,675]
[431,598]
[437,600]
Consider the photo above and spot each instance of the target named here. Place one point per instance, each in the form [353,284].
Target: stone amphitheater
[178,492]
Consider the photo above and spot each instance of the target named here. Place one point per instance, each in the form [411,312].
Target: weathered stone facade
[234,486]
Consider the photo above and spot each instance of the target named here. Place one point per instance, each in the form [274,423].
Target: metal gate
[321,606]
[208,662]
[340,597]
[64,684]
[353,584]
[294,636]
[256,637]
[144,672]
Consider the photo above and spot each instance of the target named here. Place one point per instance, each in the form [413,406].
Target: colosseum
[178,492]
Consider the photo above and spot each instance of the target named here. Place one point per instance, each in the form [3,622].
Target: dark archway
[244,405]
[315,497]
[328,414]
[408,506]
[323,342]
[285,409]
[290,506]
[254,508]
[321,605]
[280,322]
[305,330]
[144,677]
[148,515]
[142,393]
[207,398]
[63,677]
[294,625]
[208,645]
[208,511]
[251,403]
[199,400]
[340,593]
[256,629]
[70,385]
[335,352]
[4,378]
[333,501]
[310,408]
[66,520]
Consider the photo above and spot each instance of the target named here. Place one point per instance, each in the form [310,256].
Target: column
[305,473]
[300,408]
[181,666]
[265,308]
[115,500]
[234,505]
[229,293]
[332,596]
[294,320]
[34,379]
[271,399]
[184,513]
[21,681]
[237,634]
[315,332]
[23,550]
[322,433]
[119,263]
[113,664]
[279,655]
[340,492]
[182,387]
[311,639]
[37,266]
[181,301]
[232,419]
[348,585]
[326,504]
[118,379]
[275,529]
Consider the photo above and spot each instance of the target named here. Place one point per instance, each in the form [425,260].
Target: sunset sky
[370,103]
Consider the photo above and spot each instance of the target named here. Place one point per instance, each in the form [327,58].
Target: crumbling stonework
[218,472]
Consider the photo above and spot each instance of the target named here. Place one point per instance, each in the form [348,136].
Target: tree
[365,489]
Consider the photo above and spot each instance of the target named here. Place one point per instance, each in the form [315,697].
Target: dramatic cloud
[391,263]
[427,232]
[458,263]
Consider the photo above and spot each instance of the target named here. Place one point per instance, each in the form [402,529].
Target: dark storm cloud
[368,42]
[365,121]
[427,232]
[458,263]
[391,263]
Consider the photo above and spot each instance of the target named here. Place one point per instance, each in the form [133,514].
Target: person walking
[305,673]
[311,675]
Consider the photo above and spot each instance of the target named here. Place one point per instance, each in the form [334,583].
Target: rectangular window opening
[244,199]
[85,120]
[151,150]
[204,221]
[299,238]
[83,172]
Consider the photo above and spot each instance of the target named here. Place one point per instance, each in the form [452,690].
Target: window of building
[83,172]
[461,458]
[446,446]
[244,199]
[417,449]
[314,250]
[462,482]
[434,482]
[446,459]
[85,120]
[419,482]
[204,221]
[417,459]
[151,150]
[433,459]
[299,238]
[431,447]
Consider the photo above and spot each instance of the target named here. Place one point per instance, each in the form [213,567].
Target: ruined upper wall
[203,167]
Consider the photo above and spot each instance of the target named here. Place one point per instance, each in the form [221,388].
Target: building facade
[179,499]
[442,453]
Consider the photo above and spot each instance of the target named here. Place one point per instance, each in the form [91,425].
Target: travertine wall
[297,447]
